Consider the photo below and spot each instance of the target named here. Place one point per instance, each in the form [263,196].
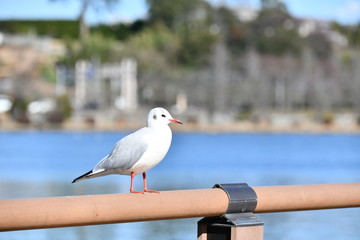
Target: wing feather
[126,152]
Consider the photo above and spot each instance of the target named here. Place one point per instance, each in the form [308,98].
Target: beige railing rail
[20,214]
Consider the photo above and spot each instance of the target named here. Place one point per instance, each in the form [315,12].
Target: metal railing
[21,214]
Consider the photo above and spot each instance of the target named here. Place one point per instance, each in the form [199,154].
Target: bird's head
[160,116]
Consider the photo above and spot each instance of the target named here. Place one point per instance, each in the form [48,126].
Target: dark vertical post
[208,232]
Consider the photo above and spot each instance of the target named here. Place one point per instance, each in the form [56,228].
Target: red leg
[145,187]
[132,184]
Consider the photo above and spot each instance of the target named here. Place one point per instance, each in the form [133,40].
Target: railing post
[238,222]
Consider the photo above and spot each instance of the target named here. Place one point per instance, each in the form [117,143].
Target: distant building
[106,86]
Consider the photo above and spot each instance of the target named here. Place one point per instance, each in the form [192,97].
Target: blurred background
[241,64]
[269,92]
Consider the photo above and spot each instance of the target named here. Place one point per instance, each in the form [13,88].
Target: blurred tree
[352,33]
[54,28]
[18,110]
[191,21]
[235,32]
[156,47]
[85,5]
[95,46]
[320,45]
[275,31]
[171,13]
[62,111]
[119,31]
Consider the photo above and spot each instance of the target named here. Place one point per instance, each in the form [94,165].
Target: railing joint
[239,214]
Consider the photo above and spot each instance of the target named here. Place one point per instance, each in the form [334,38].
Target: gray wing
[126,152]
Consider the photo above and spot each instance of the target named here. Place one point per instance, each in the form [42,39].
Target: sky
[343,11]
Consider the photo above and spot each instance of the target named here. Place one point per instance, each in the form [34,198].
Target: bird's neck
[160,128]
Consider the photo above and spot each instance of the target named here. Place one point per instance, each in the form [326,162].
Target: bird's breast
[159,145]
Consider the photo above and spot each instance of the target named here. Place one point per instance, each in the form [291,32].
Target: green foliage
[119,31]
[346,58]
[190,21]
[320,45]
[182,33]
[155,47]
[18,110]
[236,32]
[63,106]
[62,111]
[171,13]
[95,46]
[48,72]
[196,47]
[352,33]
[274,32]
[54,28]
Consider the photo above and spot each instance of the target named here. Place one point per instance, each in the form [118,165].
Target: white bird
[139,151]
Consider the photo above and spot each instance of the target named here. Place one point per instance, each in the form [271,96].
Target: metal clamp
[242,198]
[242,203]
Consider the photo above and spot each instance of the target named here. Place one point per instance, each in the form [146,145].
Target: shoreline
[237,127]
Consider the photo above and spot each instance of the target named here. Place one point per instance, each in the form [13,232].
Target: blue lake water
[43,164]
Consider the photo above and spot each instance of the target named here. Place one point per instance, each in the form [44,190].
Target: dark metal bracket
[242,203]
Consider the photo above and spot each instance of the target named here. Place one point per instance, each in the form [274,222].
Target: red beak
[175,121]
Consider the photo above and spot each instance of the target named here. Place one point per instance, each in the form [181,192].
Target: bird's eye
[163,115]
[154,117]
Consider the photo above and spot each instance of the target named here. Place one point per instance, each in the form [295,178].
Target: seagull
[139,151]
